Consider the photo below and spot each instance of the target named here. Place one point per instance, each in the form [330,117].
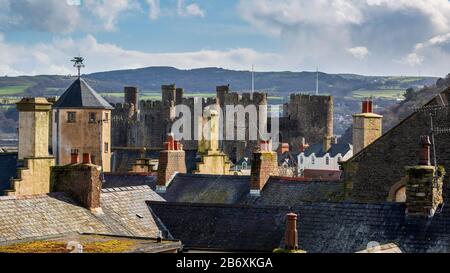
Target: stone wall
[81,181]
[370,174]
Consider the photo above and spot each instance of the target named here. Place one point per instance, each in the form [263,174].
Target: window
[106,147]
[301,160]
[92,117]
[106,116]
[71,117]
[327,160]
[313,160]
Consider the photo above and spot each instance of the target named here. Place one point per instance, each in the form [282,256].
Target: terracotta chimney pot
[87,158]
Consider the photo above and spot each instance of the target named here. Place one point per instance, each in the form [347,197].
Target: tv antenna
[432,111]
[317,80]
[78,63]
[253,79]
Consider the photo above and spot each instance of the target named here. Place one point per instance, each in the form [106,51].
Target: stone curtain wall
[306,116]
[370,174]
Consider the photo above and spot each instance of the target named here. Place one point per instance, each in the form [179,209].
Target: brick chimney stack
[291,234]
[423,184]
[265,164]
[81,181]
[172,160]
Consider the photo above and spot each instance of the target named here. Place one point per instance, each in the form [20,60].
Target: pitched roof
[289,192]
[92,243]
[234,189]
[114,180]
[220,227]
[199,188]
[323,175]
[81,95]
[335,149]
[125,213]
[322,227]
[8,170]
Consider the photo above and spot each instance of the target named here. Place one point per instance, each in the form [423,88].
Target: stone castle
[146,124]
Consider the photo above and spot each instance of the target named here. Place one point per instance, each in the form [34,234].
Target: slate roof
[221,189]
[81,95]
[322,227]
[8,170]
[335,149]
[199,188]
[220,227]
[125,213]
[114,180]
[289,192]
[323,175]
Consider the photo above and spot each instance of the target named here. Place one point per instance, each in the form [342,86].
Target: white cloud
[191,10]
[41,15]
[53,58]
[430,52]
[61,16]
[329,33]
[154,9]
[108,11]
[359,52]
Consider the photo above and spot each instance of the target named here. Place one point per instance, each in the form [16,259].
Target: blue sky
[372,37]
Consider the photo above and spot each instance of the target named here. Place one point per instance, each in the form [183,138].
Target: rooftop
[124,213]
[80,95]
[317,150]
[323,227]
[233,189]
[91,243]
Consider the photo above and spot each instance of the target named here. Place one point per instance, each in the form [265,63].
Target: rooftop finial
[78,63]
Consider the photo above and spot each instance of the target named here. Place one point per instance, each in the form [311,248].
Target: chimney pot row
[172,144]
[265,146]
[367,106]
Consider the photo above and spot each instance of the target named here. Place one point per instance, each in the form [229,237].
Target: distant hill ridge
[205,80]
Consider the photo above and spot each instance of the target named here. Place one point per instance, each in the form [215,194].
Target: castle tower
[169,94]
[33,177]
[82,124]
[367,127]
[132,98]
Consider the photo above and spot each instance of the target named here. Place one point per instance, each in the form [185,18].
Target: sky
[368,37]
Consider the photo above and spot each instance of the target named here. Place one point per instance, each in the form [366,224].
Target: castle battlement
[307,98]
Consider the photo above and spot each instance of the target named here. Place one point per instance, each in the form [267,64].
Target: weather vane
[78,63]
